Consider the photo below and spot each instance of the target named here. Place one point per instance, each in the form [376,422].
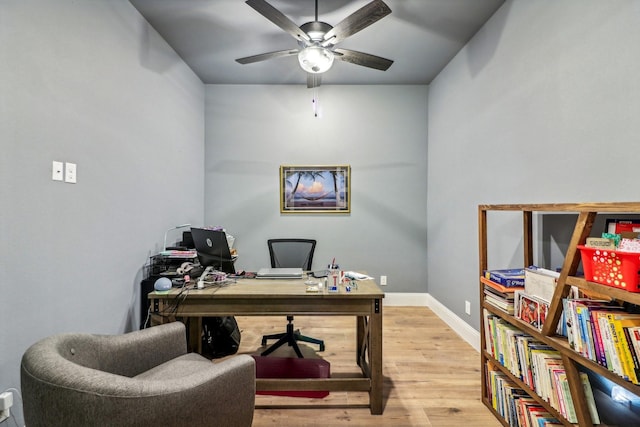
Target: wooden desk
[280,298]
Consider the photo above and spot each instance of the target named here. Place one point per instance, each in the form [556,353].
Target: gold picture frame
[315,189]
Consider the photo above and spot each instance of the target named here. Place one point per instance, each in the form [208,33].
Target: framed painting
[315,189]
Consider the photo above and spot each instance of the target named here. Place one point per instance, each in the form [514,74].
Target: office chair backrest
[288,253]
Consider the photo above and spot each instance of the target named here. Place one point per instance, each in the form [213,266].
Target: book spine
[566,305]
[616,356]
[625,355]
[634,333]
[577,343]
[589,397]
[597,339]
[571,410]
[558,377]
[606,340]
[582,332]
[633,354]
[508,282]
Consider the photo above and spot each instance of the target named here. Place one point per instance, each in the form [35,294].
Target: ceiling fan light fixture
[315,59]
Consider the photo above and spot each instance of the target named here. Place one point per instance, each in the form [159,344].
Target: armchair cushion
[140,378]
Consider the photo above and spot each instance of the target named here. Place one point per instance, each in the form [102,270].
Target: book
[531,310]
[582,329]
[522,409]
[600,243]
[634,339]
[502,304]
[541,418]
[632,351]
[589,397]
[567,310]
[615,345]
[620,226]
[582,312]
[509,278]
[570,411]
[560,376]
[597,337]
[178,254]
[607,340]
[540,358]
[540,282]
[525,343]
[553,368]
[499,288]
[489,290]
[621,321]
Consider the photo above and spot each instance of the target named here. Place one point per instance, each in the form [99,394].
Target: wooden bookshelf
[572,360]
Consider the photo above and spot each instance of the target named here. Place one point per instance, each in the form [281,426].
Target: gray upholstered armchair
[143,378]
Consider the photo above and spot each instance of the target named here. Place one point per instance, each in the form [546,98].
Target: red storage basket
[613,268]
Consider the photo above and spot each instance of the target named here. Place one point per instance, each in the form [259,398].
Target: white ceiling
[420,36]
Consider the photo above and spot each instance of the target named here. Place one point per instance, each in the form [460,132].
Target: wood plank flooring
[431,375]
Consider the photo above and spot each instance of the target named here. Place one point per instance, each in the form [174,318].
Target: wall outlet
[383,280]
[57,169]
[467,307]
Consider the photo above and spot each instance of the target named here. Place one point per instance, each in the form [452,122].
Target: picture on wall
[315,189]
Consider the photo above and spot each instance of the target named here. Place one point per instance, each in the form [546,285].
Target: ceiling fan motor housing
[316,30]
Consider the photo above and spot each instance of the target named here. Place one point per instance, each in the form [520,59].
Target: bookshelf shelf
[571,359]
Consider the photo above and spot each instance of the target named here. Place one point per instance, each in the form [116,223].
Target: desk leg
[375,357]
[361,344]
[194,343]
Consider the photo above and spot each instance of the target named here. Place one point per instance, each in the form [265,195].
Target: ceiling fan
[317,39]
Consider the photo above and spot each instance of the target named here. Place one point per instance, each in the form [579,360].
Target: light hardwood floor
[431,376]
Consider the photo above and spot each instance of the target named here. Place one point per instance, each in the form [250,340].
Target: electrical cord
[220,280]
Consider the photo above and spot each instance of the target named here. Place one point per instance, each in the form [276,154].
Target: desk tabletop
[272,288]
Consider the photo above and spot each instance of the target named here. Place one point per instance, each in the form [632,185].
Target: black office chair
[291,253]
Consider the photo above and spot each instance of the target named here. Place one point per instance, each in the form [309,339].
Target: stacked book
[537,364]
[179,254]
[500,287]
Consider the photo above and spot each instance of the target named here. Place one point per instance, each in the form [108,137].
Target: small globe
[162,284]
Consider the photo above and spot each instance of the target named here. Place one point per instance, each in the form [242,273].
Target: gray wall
[380,131]
[91,83]
[541,106]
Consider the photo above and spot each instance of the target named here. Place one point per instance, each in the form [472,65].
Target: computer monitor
[213,249]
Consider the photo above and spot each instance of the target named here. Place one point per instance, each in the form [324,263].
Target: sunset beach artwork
[315,189]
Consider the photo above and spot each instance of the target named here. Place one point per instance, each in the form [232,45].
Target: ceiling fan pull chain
[315,101]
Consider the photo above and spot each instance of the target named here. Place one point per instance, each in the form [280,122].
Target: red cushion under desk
[292,367]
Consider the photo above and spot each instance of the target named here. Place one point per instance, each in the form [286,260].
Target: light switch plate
[57,170]
[70,173]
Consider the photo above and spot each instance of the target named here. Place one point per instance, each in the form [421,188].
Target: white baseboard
[460,327]
[400,299]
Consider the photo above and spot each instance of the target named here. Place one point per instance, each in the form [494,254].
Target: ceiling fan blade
[265,56]
[278,18]
[313,80]
[357,21]
[364,59]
